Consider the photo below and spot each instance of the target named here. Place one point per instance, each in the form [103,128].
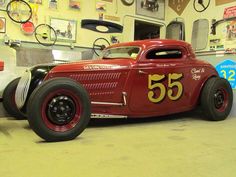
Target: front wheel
[59,109]
[217,99]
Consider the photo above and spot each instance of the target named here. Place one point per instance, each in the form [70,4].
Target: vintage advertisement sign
[230,12]
[227,70]
[178,5]
[220,2]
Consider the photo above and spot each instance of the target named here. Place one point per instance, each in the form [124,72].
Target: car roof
[152,42]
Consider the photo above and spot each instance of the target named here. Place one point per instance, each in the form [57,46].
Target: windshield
[130,52]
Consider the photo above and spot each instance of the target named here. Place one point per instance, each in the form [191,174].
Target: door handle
[142,72]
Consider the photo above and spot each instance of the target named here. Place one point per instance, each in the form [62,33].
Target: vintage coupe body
[130,80]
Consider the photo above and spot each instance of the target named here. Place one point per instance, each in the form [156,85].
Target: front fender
[31,79]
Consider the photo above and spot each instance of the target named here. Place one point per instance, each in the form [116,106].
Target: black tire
[23,3]
[50,99]
[216,99]
[9,100]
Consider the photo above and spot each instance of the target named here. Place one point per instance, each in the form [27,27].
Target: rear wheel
[59,109]
[9,100]
[217,99]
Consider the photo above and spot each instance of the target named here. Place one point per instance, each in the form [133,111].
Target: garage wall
[121,14]
[189,15]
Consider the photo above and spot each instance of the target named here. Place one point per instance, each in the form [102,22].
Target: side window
[164,54]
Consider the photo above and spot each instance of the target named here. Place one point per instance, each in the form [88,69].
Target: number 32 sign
[227,70]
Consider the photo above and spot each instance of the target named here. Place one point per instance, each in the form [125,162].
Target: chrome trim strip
[101,116]
[124,95]
[107,103]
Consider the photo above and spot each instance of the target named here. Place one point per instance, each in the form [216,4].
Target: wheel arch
[38,74]
[204,81]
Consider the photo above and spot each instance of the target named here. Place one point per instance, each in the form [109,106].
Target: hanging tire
[59,109]
[9,100]
[216,99]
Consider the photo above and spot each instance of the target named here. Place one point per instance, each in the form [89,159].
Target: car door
[160,82]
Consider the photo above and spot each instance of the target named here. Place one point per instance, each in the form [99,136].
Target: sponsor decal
[196,73]
[102,66]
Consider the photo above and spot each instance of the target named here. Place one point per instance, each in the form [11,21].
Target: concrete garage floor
[174,146]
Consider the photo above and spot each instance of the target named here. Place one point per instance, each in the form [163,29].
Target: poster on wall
[154,9]
[2,25]
[178,6]
[220,2]
[65,29]
[35,1]
[100,6]
[231,31]
[52,4]
[3,4]
[230,12]
[74,4]
[108,1]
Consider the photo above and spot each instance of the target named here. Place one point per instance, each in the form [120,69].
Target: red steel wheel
[221,99]
[59,109]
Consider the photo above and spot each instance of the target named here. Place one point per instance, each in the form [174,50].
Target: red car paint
[1,65]
[151,87]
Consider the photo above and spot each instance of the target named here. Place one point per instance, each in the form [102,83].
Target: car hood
[89,65]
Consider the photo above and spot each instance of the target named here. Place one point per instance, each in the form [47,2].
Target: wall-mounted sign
[220,2]
[227,69]
[3,4]
[112,18]
[35,1]
[108,0]
[230,12]
[52,4]
[101,6]
[2,25]
[154,9]
[75,4]
[178,5]
[66,30]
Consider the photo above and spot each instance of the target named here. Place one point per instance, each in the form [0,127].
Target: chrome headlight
[22,89]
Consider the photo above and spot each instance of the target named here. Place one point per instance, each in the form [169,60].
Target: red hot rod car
[135,79]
